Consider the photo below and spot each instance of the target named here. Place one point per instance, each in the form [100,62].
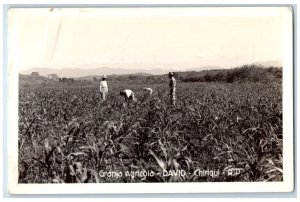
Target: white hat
[104,77]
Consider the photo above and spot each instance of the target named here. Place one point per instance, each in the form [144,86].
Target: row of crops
[216,132]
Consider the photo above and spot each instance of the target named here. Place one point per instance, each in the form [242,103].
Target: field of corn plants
[216,132]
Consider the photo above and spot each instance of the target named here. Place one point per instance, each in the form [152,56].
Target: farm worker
[103,88]
[172,85]
[128,95]
[149,90]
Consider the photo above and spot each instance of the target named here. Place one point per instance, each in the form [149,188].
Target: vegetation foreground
[67,135]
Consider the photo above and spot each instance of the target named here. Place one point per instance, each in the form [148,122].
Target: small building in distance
[35,74]
[54,77]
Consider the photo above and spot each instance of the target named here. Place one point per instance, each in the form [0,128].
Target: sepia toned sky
[146,38]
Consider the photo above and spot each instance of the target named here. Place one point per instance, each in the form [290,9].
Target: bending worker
[128,95]
[148,90]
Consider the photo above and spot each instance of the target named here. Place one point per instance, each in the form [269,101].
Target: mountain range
[84,72]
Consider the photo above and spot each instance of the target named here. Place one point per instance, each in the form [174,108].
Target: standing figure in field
[172,85]
[103,88]
[128,95]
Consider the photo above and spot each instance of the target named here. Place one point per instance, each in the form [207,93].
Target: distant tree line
[245,73]
[250,73]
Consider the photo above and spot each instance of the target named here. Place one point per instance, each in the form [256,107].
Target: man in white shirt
[103,88]
[128,95]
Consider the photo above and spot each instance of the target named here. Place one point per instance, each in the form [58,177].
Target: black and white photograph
[170,97]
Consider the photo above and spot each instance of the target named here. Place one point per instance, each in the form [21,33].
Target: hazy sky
[146,38]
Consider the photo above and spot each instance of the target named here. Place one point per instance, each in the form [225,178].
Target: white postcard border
[205,187]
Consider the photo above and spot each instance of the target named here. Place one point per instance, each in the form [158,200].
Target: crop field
[219,132]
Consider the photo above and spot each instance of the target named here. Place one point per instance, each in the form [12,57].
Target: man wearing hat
[103,87]
[172,85]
